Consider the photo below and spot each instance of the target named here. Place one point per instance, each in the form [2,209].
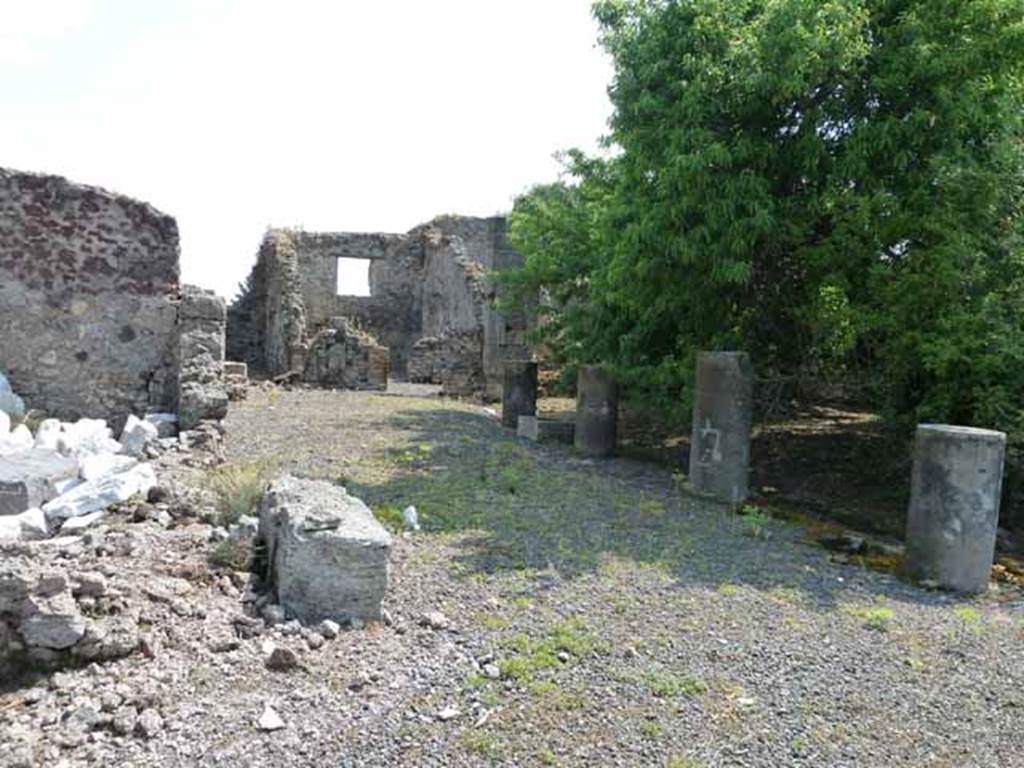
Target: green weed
[669,686]
[239,488]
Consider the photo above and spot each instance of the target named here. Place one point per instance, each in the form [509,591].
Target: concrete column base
[519,394]
[955,489]
[722,413]
[597,412]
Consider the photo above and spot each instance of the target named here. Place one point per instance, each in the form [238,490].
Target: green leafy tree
[833,185]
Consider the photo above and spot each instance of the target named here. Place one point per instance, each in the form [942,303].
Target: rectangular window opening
[353,277]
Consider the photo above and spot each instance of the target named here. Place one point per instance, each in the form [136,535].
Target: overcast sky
[332,115]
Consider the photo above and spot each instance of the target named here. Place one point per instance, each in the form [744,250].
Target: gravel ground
[590,613]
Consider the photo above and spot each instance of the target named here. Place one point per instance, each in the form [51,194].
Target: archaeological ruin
[92,310]
[431,316]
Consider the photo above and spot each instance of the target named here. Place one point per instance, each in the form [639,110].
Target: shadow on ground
[522,507]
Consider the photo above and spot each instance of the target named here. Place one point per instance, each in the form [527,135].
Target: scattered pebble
[270,720]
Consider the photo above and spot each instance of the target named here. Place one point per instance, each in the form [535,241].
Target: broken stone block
[202,401]
[545,430]
[327,556]
[51,621]
[88,436]
[75,525]
[17,440]
[29,479]
[96,465]
[48,434]
[30,525]
[166,423]
[95,495]
[136,434]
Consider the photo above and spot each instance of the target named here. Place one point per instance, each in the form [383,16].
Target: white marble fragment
[136,434]
[30,525]
[48,434]
[75,525]
[98,494]
[93,466]
[88,436]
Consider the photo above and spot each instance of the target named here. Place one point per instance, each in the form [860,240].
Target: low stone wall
[344,356]
[390,323]
[452,360]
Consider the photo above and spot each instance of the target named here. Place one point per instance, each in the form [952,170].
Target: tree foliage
[833,185]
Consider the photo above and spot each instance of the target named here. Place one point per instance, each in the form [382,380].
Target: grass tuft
[234,554]
[239,488]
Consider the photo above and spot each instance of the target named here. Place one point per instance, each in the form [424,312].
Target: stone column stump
[519,395]
[954,505]
[597,412]
[722,412]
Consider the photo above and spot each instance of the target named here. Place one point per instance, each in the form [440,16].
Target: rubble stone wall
[430,284]
[88,299]
[283,311]
[391,322]
[344,356]
[201,326]
[318,254]
[451,360]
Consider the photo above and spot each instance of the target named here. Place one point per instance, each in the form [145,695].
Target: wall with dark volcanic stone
[88,298]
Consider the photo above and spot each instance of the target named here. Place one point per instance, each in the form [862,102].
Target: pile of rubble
[63,478]
[59,480]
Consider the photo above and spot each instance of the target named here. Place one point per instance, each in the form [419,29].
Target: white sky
[334,115]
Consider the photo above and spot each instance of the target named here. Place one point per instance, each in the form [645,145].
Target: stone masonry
[202,392]
[88,298]
[431,304]
[344,356]
[93,320]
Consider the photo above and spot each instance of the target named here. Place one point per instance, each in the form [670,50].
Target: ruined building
[430,316]
[93,320]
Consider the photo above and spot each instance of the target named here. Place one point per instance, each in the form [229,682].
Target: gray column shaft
[954,505]
[519,394]
[722,413]
[597,412]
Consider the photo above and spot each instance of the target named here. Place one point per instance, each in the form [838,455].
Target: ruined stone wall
[451,360]
[280,309]
[202,393]
[430,284]
[485,242]
[342,355]
[88,294]
[272,327]
[318,254]
[454,286]
[391,322]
